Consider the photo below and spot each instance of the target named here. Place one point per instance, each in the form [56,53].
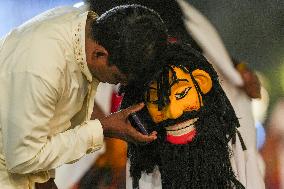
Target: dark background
[252,30]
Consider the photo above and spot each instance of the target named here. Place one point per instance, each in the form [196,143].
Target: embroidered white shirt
[46,98]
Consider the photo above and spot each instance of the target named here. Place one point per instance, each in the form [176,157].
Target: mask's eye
[182,94]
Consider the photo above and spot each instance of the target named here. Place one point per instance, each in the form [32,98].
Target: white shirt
[46,98]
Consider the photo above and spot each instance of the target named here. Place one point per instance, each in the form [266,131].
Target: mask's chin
[181,133]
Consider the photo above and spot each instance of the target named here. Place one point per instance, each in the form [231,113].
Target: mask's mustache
[185,116]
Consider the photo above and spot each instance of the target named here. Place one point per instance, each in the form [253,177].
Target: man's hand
[117,125]
[252,85]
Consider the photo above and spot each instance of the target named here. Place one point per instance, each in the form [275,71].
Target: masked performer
[195,122]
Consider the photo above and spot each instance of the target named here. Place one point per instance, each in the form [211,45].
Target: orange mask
[183,98]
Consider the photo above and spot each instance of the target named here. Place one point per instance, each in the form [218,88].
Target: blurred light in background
[261,134]
[15,12]
[259,110]
[79,4]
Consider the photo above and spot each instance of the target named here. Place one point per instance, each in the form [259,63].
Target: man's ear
[203,79]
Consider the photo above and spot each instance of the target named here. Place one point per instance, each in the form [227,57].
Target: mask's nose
[173,111]
[181,102]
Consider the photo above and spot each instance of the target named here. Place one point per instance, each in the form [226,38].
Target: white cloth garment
[73,172]
[46,98]
[247,165]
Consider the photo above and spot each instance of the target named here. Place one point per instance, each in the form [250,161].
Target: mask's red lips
[181,133]
[183,139]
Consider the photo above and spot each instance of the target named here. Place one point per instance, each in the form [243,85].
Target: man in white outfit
[50,68]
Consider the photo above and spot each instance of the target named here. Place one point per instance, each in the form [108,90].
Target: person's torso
[65,28]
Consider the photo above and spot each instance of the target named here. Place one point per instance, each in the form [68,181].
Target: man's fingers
[139,137]
[134,108]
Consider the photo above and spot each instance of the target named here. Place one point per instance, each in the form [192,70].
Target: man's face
[183,98]
[97,60]
[105,72]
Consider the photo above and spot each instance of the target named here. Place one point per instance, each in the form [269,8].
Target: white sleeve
[25,123]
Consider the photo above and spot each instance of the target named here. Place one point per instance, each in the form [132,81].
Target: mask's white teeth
[181,125]
[181,128]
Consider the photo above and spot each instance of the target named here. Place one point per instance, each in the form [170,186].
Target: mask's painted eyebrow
[181,80]
[176,81]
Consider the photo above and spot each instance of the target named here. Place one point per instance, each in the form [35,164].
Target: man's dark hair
[133,35]
[169,10]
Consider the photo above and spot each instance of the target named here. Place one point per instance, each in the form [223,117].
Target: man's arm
[28,143]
